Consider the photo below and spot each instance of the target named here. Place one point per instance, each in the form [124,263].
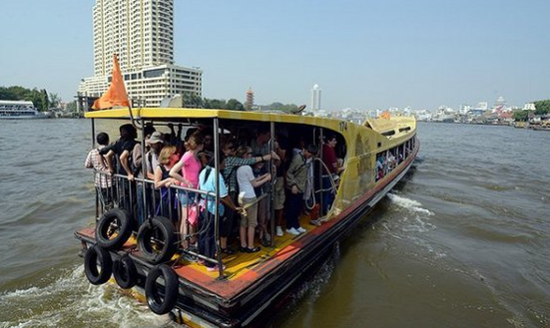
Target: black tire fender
[98,265]
[161,299]
[125,272]
[114,220]
[158,229]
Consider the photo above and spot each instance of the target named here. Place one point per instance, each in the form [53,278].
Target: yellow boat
[248,287]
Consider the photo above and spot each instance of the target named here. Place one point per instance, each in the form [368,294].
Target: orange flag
[385,115]
[116,94]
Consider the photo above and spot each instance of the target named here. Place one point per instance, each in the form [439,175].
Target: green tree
[39,98]
[214,104]
[192,100]
[282,107]
[521,115]
[15,93]
[55,100]
[71,107]
[542,107]
[234,104]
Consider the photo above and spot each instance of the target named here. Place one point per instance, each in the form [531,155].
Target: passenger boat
[247,287]
[19,109]
[251,285]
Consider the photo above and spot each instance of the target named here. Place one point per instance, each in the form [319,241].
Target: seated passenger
[379,167]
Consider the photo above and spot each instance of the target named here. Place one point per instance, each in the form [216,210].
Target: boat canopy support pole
[96,191]
[216,136]
[144,171]
[320,173]
[271,197]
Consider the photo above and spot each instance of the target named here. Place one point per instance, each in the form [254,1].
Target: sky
[363,54]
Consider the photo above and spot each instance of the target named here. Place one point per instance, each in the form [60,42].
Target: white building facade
[141,32]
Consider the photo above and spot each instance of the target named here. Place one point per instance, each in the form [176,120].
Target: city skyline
[365,54]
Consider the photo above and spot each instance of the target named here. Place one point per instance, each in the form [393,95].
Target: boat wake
[70,301]
[409,221]
[409,204]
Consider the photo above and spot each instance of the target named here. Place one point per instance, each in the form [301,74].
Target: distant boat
[19,109]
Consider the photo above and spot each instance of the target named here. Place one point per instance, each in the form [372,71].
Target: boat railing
[332,188]
[143,201]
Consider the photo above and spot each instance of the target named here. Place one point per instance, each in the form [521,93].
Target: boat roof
[200,113]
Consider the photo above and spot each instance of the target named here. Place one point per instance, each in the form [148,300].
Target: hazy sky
[363,54]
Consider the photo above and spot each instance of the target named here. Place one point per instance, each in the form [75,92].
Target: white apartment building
[141,32]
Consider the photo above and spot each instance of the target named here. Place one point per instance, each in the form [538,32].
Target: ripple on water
[68,300]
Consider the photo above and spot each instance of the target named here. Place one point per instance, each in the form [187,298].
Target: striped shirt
[97,162]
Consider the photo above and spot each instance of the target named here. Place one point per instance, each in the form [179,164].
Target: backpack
[227,180]
[135,167]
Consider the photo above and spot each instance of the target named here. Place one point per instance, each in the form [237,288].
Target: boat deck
[242,270]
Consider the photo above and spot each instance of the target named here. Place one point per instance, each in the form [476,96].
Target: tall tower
[249,99]
[315,98]
[141,32]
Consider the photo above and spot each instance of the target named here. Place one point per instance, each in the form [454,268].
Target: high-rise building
[315,98]
[141,33]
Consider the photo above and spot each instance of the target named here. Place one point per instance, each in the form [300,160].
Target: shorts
[186,198]
[279,196]
[251,218]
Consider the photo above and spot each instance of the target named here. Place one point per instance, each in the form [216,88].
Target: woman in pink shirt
[190,167]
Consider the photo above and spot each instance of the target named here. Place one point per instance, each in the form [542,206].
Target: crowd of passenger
[388,160]
[179,172]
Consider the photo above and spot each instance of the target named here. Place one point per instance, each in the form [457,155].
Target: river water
[461,242]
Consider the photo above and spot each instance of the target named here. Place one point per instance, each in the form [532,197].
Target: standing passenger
[168,201]
[296,179]
[137,161]
[279,196]
[190,167]
[259,170]
[232,163]
[331,162]
[102,178]
[122,151]
[207,182]
[247,182]
[260,145]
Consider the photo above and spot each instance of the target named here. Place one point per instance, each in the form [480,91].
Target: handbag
[193,214]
